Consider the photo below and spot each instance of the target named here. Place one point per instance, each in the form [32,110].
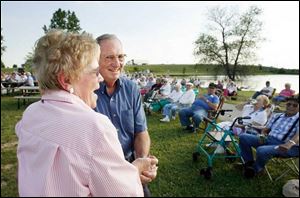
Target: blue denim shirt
[124,109]
[201,104]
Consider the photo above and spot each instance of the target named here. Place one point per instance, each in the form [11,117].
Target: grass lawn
[177,175]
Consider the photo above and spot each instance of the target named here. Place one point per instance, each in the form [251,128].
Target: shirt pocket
[127,120]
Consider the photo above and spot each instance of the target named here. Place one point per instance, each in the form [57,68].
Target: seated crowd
[271,134]
[22,78]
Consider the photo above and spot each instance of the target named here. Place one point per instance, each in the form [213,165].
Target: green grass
[203,69]
[9,117]
[177,175]
[242,96]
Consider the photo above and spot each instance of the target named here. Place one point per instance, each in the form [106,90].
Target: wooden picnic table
[11,86]
[28,92]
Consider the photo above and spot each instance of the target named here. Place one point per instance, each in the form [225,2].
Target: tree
[183,70]
[65,20]
[236,41]
[2,44]
[2,49]
[28,61]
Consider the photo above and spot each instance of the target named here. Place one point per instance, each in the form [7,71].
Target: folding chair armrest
[208,120]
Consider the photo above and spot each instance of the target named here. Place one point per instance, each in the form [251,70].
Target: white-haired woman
[258,111]
[66,148]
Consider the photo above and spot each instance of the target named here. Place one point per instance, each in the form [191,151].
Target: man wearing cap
[199,109]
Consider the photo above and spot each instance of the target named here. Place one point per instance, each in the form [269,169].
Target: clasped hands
[147,167]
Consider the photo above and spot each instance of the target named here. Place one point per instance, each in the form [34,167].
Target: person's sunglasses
[292,104]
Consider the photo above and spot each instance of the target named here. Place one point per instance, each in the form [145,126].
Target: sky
[152,32]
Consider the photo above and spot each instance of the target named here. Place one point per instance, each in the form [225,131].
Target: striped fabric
[282,126]
[67,149]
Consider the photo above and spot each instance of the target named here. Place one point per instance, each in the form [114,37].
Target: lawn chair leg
[292,167]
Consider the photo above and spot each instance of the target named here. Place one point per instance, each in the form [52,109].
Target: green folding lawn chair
[213,139]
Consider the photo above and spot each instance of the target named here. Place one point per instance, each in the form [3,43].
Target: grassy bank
[202,69]
[177,176]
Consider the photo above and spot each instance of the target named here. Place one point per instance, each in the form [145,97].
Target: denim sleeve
[216,100]
[140,123]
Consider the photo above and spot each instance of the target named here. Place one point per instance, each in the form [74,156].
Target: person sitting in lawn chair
[282,140]
[150,95]
[231,90]
[199,109]
[268,91]
[258,111]
[164,90]
[164,97]
[186,99]
[284,94]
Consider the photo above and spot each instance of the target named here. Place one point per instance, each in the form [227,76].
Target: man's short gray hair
[104,37]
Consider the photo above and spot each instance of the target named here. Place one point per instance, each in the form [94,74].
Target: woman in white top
[258,115]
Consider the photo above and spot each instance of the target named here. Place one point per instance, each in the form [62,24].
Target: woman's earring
[71,90]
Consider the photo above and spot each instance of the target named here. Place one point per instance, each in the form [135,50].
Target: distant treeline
[204,69]
[191,70]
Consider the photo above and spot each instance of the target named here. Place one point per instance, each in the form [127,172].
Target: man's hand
[149,175]
[284,147]
[147,168]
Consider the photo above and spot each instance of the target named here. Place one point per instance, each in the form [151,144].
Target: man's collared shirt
[200,103]
[124,108]
[282,126]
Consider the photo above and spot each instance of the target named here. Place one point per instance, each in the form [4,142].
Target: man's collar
[297,114]
[119,83]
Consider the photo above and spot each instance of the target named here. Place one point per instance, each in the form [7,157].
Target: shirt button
[114,115]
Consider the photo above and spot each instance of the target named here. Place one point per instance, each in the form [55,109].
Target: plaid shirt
[282,126]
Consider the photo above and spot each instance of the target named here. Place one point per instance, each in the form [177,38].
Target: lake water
[257,82]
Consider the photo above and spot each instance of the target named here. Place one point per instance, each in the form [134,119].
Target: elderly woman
[185,99]
[258,111]
[284,94]
[66,148]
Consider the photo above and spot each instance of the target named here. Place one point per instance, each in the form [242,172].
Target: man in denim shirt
[282,139]
[120,100]
[199,109]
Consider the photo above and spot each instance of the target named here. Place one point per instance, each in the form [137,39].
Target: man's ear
[63,81]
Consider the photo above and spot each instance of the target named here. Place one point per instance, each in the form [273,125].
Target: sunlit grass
[177,175]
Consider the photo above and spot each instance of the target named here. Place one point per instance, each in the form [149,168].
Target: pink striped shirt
[67,149]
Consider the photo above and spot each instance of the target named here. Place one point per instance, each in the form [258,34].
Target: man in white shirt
[268,91]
